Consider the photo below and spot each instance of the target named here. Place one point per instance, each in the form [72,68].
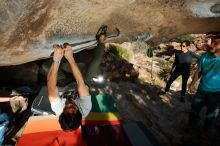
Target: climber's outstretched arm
[52,74]
[82,88]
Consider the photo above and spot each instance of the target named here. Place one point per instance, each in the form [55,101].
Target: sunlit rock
[29,28]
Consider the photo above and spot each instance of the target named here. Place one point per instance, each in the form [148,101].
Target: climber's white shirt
[84,104]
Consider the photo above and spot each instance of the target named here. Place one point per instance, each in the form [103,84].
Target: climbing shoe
[102,31]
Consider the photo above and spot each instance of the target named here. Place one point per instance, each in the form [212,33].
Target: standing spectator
[208,93]
[181,66]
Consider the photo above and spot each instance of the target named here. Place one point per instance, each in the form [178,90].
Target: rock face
[19,75]
[116,68]
[29,28]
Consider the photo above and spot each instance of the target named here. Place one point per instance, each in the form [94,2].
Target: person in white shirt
[70,111]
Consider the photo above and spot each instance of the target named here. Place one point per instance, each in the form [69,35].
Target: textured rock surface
[29,28]
[116,68]
[19,75]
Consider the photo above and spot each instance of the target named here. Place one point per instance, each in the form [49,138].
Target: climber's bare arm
[52,73]
[82,88]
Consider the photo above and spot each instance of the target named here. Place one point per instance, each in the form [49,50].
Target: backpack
[41,104]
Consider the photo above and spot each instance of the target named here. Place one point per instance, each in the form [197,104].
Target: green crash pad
[103,103]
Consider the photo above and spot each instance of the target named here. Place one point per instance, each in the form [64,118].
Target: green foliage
[120,51]
[184,38]
[165,70]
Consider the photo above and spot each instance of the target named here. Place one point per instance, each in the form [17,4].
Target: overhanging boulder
[29,28]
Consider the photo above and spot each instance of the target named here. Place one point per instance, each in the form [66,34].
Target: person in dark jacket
[181,66]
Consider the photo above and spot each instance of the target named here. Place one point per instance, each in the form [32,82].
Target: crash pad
[106,135]
[103,111]
[42,130]
[103,103]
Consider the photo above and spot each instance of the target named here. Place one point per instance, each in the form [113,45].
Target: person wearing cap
[208,92]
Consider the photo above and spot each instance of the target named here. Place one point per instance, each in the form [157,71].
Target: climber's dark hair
[70,118]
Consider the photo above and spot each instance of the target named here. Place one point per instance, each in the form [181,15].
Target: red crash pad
[42,130]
